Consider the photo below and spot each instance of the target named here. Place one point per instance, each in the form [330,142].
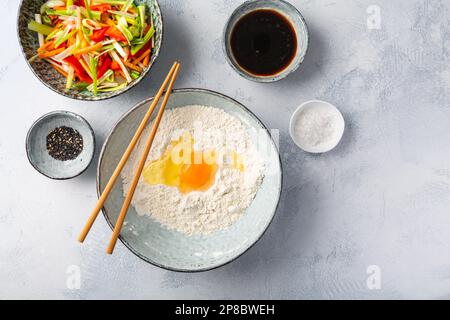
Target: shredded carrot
[45,46]
[146,61]
[51,53]
[95,47]
[132,66]
[61,71]
[80,29]
[57,68]
[142,56]
[83,41]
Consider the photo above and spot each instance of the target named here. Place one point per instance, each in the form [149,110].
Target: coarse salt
[317,127]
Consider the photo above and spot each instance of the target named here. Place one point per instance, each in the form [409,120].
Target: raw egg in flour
[186,169]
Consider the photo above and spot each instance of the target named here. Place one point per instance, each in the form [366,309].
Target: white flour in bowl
[199,212]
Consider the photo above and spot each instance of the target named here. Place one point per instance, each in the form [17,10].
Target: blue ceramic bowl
[173,250]
[36,145]
[291,14]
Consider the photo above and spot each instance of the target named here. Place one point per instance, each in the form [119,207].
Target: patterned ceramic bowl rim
[292,67]
[112,225]
[87,98]
[66,114]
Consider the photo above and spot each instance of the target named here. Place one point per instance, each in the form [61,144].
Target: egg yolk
[188,170]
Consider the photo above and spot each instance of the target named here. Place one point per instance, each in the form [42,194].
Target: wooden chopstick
[125,157]
[134,183]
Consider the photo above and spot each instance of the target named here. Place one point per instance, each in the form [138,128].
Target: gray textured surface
[381,198]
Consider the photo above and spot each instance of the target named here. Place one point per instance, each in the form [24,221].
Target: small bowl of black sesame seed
[60,145]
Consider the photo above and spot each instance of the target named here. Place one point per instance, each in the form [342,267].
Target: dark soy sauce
[263,42]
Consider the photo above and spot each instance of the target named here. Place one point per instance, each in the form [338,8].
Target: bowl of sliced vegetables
[90,49]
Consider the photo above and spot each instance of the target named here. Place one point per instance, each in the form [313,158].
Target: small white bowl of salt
[317,126]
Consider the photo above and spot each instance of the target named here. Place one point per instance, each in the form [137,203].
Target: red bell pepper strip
[104,65]
[79,3]
[115,66]
[99,35]
[78,68]
[101,7]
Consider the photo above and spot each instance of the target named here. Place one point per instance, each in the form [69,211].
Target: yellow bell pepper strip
[86,68]
[70,76]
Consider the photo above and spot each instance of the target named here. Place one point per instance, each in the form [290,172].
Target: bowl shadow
[308,70]
[91,171]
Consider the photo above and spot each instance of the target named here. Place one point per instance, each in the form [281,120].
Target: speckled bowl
[36,145]
[292,15]
[50,77]
[173,250]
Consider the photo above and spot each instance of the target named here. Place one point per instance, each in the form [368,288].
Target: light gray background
[381,198]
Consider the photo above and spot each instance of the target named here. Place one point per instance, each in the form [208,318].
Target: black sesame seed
[64,143]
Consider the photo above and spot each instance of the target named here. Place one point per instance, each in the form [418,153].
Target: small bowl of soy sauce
[265,40]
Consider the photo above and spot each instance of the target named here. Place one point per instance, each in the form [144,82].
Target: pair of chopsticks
[171,78]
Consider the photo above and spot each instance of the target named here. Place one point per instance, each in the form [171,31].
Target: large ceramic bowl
[173,250]
[55,81]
